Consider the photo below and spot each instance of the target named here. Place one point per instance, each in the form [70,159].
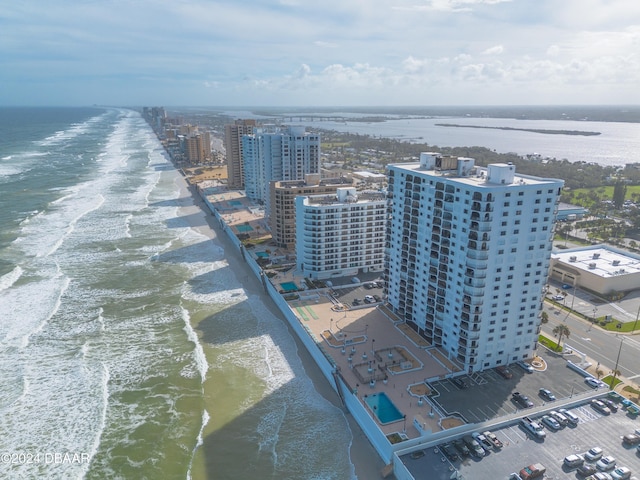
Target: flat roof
[599,261]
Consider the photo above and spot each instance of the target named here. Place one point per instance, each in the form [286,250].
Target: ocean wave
[8,279]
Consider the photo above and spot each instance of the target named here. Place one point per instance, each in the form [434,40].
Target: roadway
[599,345]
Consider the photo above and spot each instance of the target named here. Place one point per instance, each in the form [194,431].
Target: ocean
[129,345]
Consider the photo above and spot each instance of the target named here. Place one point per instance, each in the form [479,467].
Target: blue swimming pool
[262,254]
[289,287]
[244,228]
[235,203]
[383,408]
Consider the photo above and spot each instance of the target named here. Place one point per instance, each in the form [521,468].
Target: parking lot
[489,396]
[519,450]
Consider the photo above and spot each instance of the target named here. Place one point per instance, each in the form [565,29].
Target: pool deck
[369,329]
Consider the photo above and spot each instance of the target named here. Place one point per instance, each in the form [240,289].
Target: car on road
[586,469]
[558,298]
[601,407]
[573,461]
[546,394]
[593,382]
[606,463]
[621,473]
[504,372]
[551,422]
[631,439]
[449,451]
[594,454]
[521,400]
[525,366]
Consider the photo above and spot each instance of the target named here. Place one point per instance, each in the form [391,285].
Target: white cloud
[496,50]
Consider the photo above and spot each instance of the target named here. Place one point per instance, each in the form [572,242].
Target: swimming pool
[262,254]
[244,228]
[235,203]
[383,408]
[289,286]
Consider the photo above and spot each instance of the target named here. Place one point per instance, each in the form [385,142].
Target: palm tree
[561,331]
[544,317]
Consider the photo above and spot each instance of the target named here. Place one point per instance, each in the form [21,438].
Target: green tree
[544,317]
[619,194]
[561,331]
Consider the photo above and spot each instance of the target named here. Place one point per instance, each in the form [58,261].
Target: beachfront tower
[233,147]
[468,251]
[276,154]
[340,234]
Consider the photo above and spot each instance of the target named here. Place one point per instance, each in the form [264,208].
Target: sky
[319,52]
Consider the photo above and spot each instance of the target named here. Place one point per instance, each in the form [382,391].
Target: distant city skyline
[302,53]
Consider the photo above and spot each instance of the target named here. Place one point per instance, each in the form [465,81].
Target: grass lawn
[609,379]
[550,344]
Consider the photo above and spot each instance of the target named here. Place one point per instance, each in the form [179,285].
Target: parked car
[610,403]
[621,473]
[599,476]
[377,298]
[593,382]
[606,463]
[534,428]
[521,400]
[593,454]
[369,285]
[514,476]
[560,418]
[497,444]
[551,422]
[356,302]
[504,372]
[631,439]
[586,469]
[473,446]
[546,394]
[536,470]
[460,383]
[573,461]
[571,417]
[449,451]
[525,366]
[558,298]
[369,299]
[461,447]
[601,407]
[483,441]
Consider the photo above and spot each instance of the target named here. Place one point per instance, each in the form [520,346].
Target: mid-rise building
[233,147]
[197,147]
[282,214]
[468,253]
[274,154]
[340,234]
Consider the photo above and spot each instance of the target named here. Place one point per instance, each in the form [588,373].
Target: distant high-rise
[198,147]
[468,253]
[340,234]
[282,204]
[274,154]
[233,146]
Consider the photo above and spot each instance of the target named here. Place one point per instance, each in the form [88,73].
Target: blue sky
[319,53]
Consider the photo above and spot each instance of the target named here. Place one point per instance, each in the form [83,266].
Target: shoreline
[365,460]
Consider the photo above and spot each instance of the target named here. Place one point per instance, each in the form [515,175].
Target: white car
[621,473]
[558,298]
[593,382]
[594,454]
[606,463]
[525,366]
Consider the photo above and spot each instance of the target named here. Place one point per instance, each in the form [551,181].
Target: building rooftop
[599,260]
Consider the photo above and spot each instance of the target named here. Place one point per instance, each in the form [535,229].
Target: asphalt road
[599,345]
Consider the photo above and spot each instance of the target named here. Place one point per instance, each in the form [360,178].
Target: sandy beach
[367,463]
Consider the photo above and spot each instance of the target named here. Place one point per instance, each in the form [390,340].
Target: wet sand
[367,463]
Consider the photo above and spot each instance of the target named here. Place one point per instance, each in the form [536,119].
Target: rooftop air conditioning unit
[573,258]
[596,255]
[616,263]
[592,266]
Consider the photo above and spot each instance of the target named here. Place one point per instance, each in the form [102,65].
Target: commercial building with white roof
[599,268]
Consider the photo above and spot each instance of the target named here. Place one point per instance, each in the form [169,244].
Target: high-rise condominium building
[468,252]
[341,234]
[233,147]
[282,214]
[274,154]
[198,147]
